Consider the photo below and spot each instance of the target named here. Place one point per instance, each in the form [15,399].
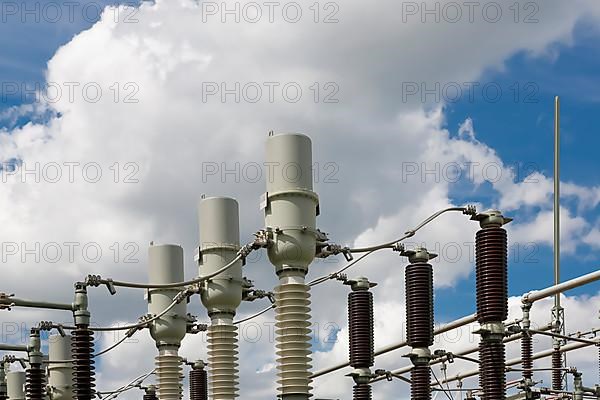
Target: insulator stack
[557,370]
[362,392]
[491,273]
[361,333]
[82,346]
[492,378]
[223,361]
[360,322]
[169,374]
[292,328]
[198,384]
[222,294]
[3,384]
[420,377]
[291,207]
[419,304]
[34,382]
[526,355]
[150,394]
[418,277]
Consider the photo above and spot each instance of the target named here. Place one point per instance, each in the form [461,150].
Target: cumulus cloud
[151,118]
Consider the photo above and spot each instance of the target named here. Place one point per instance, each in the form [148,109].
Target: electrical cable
[314,282]
[137,381]
[468,210]
[95,355]
[272,306]
[139,325]
[324,278]
[93,281]
[368,251]
[112,347]
[449,396]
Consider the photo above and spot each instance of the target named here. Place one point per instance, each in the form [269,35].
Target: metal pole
[530,297]
[13,347]
[443,329]
[458,354]
[557,198]
[536,295]
[8,301]
[515,361]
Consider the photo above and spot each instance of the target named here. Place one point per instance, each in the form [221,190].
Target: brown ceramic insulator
[360,323]
[362,392]
[419,304]
[34,382]
[82,346]
[198,384]
[492,377]
[491,274]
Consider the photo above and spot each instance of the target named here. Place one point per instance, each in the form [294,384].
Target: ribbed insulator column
[420,377]
[292,329]
[360,325]
[492,378]
[198,384]
[361,333]
[491,275]
[362,392]
[169,374]
[557,383]
[526,355]
[82,347]
[492,307]
[34,382]
[223,361]
[419,324]
[419,304]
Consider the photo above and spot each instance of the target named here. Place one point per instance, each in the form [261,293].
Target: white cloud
[369,137]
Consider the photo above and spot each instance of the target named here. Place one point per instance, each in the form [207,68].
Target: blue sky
[518,126]
[519,130]
[522,133]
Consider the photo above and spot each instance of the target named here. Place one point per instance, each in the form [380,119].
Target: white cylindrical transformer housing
[60,374]
[291,209]
[219,244]
[222,294]
[291,206]
[166,266]
[16,385]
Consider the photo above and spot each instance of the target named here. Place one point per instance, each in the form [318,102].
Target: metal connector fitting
[491,218]
[361,376]
[418,255]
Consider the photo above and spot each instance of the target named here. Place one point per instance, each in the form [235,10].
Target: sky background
[393,141]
